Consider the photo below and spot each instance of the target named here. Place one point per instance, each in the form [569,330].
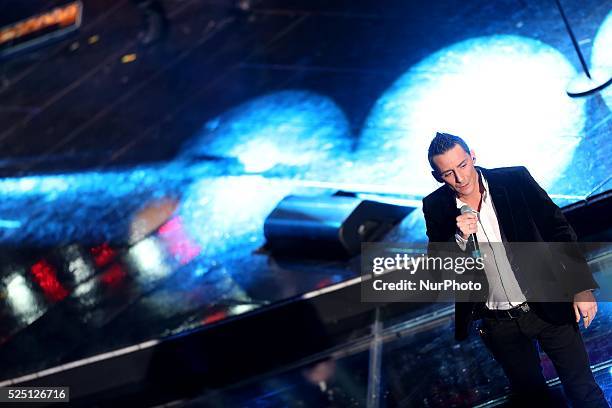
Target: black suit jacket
[525,214]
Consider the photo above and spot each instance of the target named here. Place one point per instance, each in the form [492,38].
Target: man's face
[456,168]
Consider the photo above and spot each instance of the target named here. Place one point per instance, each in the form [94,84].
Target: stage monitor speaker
[328,226]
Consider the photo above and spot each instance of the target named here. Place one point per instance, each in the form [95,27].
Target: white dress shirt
[504,290]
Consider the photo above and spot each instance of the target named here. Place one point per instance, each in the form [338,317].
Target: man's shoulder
[504,174]
[439,194]
[505,171]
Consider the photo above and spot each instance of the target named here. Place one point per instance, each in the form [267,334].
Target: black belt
[506,314]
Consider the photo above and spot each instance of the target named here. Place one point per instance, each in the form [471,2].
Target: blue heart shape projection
[504,94]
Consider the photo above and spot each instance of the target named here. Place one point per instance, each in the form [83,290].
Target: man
[509,206]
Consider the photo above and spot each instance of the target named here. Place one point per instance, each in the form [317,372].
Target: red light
[172,226]
[178,241]
[46,277]
[323,283]
[113,275]
[103,254]
[215,317]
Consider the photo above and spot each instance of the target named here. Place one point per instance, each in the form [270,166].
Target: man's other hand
[585,306]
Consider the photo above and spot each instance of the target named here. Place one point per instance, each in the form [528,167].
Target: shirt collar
[485,193]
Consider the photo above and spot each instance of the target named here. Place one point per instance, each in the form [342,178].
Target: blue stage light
[504,94]
[290,128]
[227,212]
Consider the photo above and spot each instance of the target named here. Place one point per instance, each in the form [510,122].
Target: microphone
[472,240]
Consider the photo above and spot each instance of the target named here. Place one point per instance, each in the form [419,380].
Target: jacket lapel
[501,203]
[450,207]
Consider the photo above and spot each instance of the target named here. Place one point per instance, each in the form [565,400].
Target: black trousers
[513,345]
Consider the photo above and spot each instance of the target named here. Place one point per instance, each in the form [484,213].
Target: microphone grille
[466,209]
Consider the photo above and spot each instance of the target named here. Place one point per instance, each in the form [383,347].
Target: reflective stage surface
[420,367]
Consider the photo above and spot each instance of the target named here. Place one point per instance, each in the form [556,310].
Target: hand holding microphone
[467,222]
